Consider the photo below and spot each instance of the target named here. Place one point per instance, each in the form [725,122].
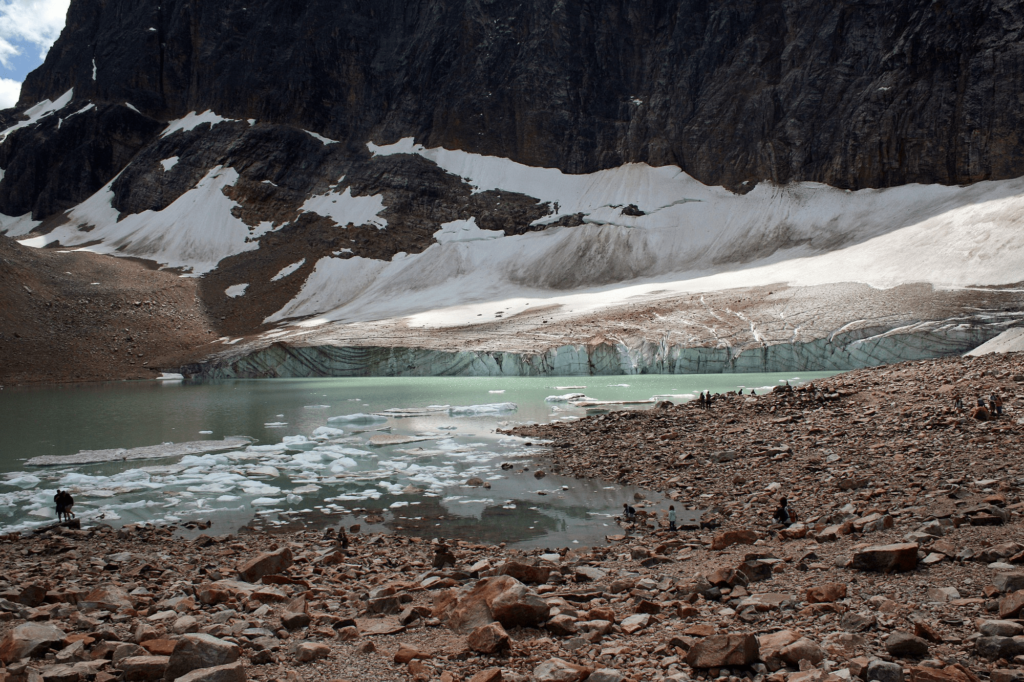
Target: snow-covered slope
[690,238]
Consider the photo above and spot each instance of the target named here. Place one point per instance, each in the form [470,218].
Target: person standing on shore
[68,503]
[58,500]
[672,517]
[628,513]
[781,514]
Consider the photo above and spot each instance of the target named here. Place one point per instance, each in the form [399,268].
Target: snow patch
[15,226]
[325,140]
[236,290]
[346,209]
[464,231]
[195,232]
[192,121]
[170,163]
[39,111]
[287,270]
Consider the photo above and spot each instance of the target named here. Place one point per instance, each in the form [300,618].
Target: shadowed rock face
[854,93]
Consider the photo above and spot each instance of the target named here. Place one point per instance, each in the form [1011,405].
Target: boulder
[557,670]
[951,673]
[194,651]
[488,675]
[231,672]
[733,537]
[1000,647]
[143,668]
[802,649]
[499,598]
[408,652]
[857,622]
[29,639]
[771,644]
[525,573]
[829,592]
[488,639]
[561,625]
[999,675]
[184,625]
[106,598]
[1010,606]
[724,650]
[32,595]
[635,623]
[886,558]
[585,574]
[127,650]
[295,621]
[61,673]
[1000,628]
[884,671]
[1009,582]
[904,644]
[311,651]
[268,563]
[606,675]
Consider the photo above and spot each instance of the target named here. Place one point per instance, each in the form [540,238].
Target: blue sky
[27,30]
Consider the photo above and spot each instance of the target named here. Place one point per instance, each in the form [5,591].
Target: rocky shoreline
[904,563]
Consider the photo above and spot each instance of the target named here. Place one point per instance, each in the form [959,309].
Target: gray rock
[606,675]
[29,639]
[194,651]
[884,671]
[906,644]
[143,668]
[1001,628]
[1009,582]
[231,672]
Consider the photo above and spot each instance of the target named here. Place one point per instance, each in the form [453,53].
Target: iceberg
[474,410]
[359,418]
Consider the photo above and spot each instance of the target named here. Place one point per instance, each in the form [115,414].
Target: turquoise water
[417,487]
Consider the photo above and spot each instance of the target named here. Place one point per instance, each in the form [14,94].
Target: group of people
[705,400]
[629,515]
[64,503]
[994,404]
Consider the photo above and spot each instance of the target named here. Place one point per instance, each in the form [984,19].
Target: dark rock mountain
[856,93]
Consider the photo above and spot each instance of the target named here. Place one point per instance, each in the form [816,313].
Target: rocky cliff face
[238,140]
[853,93]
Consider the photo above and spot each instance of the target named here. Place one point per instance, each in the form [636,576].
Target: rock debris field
[904,563]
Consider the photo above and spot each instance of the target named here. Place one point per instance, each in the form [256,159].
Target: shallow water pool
[314,462]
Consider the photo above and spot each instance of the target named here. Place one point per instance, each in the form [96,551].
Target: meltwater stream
[311,462]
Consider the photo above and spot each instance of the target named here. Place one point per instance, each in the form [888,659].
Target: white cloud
[9,91]
[37,22]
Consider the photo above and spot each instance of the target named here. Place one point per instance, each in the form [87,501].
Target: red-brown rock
[488,639]
[733,537]
[829,592]
[724,650]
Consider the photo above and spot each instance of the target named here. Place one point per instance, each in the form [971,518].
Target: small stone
[488,639]
[829,592]
[886,558]
[723,650]
[311,651]
[733,537]
[144,668]
[184,625]
[488,675]
[802,649]
[407,652]
[635,623]
[268,563]
[1001,628]
[557,670]
[231,672]
[905,644]
[884,671]
[606,675]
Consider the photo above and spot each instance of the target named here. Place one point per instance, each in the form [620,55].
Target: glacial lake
[292,476]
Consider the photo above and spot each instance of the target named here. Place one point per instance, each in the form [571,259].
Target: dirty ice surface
[391,454]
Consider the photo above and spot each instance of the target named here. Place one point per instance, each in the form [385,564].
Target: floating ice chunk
[327,432]
[275,425]
[565,398]
[427,411]
[501,391]
[206,433]
[298,443]
[265,501]
[359,418]
[396,505]
[341,464]
[228,498]
[494,408]
[24,482]
[293,499]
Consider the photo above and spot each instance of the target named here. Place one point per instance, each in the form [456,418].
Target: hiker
[753,392]
[958,403]
[628,513]
[68,503]
[671,517]
[999,405]
[58,500]
[995,405]
[781,514]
